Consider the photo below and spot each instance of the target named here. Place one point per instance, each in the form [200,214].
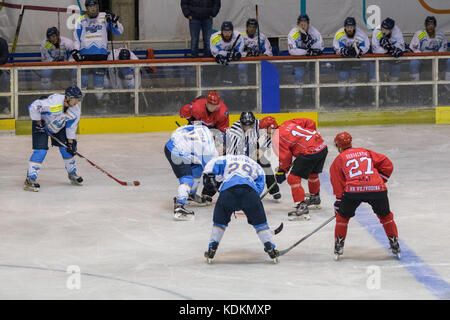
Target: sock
[389,225]
[217,232]
[36,160]
[298,193]
[69,160]
[341,226]
[264,234]
[313,183]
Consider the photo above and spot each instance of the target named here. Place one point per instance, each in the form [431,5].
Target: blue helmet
[73,92]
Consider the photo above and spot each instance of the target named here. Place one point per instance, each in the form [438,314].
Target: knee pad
[65,155]
[313,177]
[197,171]
[38,156]
[294,181]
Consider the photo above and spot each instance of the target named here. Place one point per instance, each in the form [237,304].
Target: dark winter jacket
[200,9]
[4,53]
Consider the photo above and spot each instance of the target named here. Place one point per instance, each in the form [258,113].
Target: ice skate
[277,197]
[313,201]
[301,212]
[181,213]
[75,179]
[199,201]
[30,184]
[271,251]
[338,248]
[395,246]
[209,255]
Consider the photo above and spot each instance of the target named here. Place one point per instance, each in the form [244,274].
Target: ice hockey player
[57,115]
[429,39]
[116,75]
[388,38]
[188,151]
[91,42]
[359,175]
[255,44]
[54,48]
[223,44]
[298,138]
[304,40]
[242,183]
[244,136]
[349,41]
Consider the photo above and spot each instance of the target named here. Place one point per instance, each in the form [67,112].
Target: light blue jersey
[195,144]
[91,34]
[55,115]
[236,170]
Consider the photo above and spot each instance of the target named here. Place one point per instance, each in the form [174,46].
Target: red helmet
[213,98]
[343,140]
[268,122]
[186,111]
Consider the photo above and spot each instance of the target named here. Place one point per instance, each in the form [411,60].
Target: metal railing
[152,87]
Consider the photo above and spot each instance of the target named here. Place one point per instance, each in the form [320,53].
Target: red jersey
[358,170]
[218,119]
[296,137]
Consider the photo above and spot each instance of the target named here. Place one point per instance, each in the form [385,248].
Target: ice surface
[127,246]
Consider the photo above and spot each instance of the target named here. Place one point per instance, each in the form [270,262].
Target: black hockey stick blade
[282,252]
[278,230]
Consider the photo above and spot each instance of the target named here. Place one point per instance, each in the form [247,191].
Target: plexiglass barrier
[154,88]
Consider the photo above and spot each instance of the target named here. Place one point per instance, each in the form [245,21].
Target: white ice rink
[127,245]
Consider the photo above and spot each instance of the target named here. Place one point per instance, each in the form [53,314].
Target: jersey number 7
[301,132]
[356,165]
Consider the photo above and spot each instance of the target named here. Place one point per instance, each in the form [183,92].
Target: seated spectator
[4,52]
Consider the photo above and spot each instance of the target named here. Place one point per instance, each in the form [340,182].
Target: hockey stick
[259,37]
[268,189]
[232,47]
[124,183]
[79,6]
[282,252]
[16,36]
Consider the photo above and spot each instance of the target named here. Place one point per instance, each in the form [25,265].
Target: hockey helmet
[247,118]
[227,26]
[303,17]
[73,92]
[350,21]
[430,20]
[52,32]
[343,140]
[252,22]
[388,24]
[124,54]
[213,98]
[268,122]
[89,3]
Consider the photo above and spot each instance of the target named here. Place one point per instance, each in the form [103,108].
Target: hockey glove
[397,52]
[220,59]
[111,17]
[72,147]
[280,176]
[337,205]
[345,52]
[314,52]
[386,44]
[236,56]
[210,185]
[39,128]
[76,55]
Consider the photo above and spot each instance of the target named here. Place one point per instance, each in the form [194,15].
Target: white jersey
[193,143]
[253,48]
[55,115]
[219,46]
[236,170]
[341,40]
[49,52]
[396,39]
[422,42]
[297,47]
[91,35]
[113,73]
